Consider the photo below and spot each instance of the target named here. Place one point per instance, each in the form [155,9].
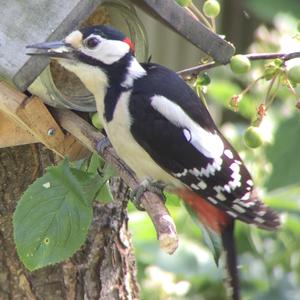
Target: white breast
[128,149]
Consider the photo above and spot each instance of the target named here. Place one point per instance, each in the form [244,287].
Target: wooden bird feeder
[26,119]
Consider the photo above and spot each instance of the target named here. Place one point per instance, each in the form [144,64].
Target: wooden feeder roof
[194,31]
[49,20]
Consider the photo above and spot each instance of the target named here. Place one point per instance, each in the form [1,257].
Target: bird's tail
[222,225]
[233,280]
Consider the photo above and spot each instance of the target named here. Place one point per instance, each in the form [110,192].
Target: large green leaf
[52,218]
[104,193]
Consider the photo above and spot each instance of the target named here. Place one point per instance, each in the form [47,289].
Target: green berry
[252,137]
[240,64]
[96,121]
[270,70]
[184,3]
[294,74]
[211,8]
[203,79]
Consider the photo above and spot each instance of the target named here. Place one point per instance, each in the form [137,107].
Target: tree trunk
[237,24]
[103,269]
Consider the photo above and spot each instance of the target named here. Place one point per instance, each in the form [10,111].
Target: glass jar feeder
[61,88]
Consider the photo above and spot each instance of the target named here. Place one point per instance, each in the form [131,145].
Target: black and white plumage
[160,128]
[175,128]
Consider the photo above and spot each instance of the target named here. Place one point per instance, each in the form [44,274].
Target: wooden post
[11,134]
[28,120]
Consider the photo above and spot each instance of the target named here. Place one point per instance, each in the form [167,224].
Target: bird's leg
[103,144]
[149,185]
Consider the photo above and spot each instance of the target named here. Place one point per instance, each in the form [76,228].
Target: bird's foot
[103,144]
[155,187]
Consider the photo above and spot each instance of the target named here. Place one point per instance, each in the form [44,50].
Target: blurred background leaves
[269,262]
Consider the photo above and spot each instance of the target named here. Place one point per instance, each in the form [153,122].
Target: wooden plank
[37,117]
[40,21]
[179,20]
[12,134]
[73,149]
[32,115]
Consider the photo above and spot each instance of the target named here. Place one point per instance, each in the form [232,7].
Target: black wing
[228,186]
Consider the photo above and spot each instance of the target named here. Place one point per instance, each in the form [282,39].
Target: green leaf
[95,163]
[89,185]
[104,193]
[52,218]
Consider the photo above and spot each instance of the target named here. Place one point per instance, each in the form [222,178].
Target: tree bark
[103,269]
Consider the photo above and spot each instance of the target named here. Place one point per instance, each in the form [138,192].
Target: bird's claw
[155,187]
[103,144]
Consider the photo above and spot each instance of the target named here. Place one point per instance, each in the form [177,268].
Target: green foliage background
[269,262]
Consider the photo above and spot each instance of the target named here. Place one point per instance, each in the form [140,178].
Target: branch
[193,72]
[92,138]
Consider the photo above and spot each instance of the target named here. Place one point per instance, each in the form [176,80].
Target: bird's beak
[58,49]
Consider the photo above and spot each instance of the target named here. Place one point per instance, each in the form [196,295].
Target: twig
[193,72]
[91,138]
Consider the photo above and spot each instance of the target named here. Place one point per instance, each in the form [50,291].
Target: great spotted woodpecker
[158,126]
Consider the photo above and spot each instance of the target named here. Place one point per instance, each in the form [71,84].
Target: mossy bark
[103,269]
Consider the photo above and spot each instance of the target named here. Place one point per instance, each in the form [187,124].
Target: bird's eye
[92,42]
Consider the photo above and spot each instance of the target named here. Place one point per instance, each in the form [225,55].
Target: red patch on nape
[128,41]
[208,214]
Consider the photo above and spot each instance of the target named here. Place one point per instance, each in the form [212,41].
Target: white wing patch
[228,153]
[210,169]
[181,174]
[236,182]
[200,185]
[209,144]
[249,182]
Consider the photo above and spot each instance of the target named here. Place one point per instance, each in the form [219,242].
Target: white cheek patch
[209,144]
[108,51]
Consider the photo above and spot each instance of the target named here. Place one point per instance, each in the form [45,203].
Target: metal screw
[51,131]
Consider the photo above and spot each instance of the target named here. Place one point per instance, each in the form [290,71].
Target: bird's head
[90,52]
